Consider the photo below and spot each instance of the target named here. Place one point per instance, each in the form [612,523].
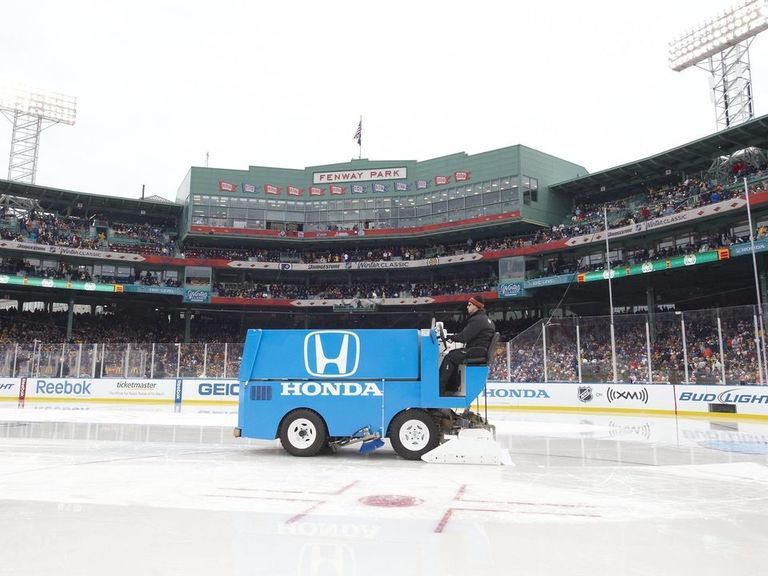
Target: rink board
[582,396]
[585,397]
[97,390]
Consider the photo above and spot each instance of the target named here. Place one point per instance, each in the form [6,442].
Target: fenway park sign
[360,175]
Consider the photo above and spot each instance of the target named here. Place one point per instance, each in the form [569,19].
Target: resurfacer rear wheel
[413,433]
[303,433]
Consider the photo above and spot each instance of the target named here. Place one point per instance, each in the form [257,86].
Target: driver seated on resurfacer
[476,337]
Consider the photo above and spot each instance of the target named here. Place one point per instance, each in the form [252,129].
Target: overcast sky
[161,83]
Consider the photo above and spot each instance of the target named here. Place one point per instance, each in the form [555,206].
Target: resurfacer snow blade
[471,446]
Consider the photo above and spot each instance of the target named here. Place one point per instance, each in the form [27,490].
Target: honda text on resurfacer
[321,389]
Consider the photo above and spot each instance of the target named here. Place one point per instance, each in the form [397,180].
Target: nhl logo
[585,393]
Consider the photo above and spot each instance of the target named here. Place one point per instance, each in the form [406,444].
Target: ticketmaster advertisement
[99,390]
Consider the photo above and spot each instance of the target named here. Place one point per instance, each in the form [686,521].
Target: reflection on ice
[587,495]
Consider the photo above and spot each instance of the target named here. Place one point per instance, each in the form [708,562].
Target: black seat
[489,356]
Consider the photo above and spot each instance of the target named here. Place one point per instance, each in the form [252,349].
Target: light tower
[31,111]
[720,46]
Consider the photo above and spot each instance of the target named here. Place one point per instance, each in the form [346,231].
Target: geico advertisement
[742,399]
[574,395]
[84,389]
[9,388]
[209,390]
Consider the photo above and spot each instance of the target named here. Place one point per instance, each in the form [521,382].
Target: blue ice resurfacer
[329,388]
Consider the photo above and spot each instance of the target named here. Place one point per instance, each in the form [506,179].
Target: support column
[650,301]
[187,324]
[70,317]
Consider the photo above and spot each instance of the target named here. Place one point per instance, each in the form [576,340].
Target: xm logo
[615,395]
[331,353]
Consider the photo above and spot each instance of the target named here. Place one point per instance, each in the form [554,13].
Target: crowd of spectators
[120,327]
[641,255]
[130,327]
[50,229]
[316,256]
[67,271]
[662,201]
[73,232]
[73,273]
[668,360]
[737,362]
[587,218]
[355,290]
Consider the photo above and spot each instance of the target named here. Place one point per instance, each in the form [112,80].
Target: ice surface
[148,490]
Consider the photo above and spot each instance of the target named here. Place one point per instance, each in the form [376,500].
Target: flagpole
[360,140]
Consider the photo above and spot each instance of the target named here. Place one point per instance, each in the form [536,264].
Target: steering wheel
[441,335]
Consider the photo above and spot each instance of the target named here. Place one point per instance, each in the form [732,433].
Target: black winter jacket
[478,332]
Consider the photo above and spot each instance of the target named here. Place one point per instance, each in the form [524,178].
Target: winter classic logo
[197,296]
[510,290]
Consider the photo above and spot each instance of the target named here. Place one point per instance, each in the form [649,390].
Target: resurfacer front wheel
[303,433]
[413,433]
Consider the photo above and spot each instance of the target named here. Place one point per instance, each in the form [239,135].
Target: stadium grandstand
[94,285]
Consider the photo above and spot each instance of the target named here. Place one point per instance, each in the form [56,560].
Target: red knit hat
[477,301]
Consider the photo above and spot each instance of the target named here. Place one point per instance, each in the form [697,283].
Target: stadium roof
[691,158]
[72,203]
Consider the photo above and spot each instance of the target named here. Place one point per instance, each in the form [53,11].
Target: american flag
[359,132]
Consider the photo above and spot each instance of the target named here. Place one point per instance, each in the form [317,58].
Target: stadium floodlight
[51,106]
[721,46]
[31,111]
[743,21]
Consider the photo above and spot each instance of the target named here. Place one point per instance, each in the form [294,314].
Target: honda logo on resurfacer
[331,353]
